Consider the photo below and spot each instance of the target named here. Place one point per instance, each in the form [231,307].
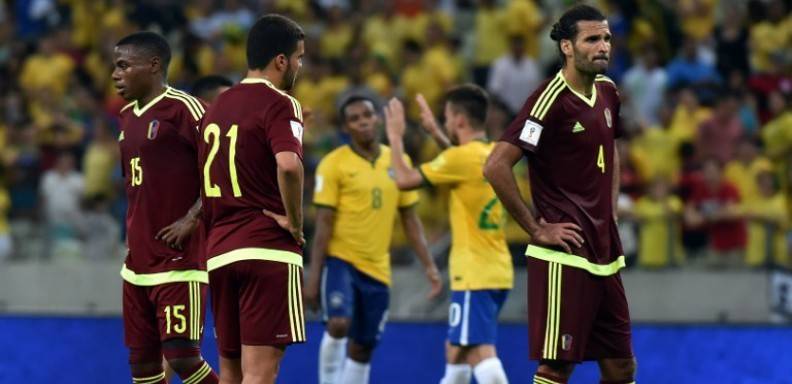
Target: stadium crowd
[706,88]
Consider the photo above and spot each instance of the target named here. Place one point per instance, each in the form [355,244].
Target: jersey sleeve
[408,198]
[327,183]
[284,126]
[448,167]
[527,131]
[190,122]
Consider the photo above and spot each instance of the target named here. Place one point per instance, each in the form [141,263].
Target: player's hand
[283,222]
[560,234]
[175,234]
[311,295]
[428,121]
[395,124]
[436,283]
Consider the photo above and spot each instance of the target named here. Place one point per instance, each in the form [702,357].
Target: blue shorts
[349,293]
[473,316]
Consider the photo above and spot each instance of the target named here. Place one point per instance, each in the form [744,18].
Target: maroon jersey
[239,137]
[159,162]
[569,142]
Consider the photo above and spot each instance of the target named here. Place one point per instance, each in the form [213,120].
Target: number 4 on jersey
[212,133]
[601,159]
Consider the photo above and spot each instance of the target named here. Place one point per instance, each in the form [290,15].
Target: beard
[289,78]
[590,67]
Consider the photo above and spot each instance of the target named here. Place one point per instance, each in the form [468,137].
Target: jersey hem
[575,261]
[159,278]
[263,254]
[357,268]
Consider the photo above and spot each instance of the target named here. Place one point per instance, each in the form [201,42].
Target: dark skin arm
[413,228]
[180,230]
[498,171]
[325,218]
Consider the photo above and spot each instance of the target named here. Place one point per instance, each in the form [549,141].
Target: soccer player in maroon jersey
[250,155]
[164,273]
[566,129]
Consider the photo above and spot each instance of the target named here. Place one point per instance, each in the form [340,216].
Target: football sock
[490,371]
[457,374]
[355,373]
[200,374]
[627,381]
[152,377]
[331,358]
[544,378]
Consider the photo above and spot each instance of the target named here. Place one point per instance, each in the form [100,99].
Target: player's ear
[281,62]
[566,47]
[155,64]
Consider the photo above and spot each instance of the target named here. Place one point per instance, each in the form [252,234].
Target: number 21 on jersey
[212,133]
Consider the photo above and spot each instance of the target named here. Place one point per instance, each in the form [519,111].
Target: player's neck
[369,151]
[154,93]
[581,83]
[266,74]
[468,135]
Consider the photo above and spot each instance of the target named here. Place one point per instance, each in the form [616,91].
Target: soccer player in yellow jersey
[480,263]
[357,201]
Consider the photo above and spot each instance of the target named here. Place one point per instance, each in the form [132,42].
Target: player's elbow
[490,169]
[289,163]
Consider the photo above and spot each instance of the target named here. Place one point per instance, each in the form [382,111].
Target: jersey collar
[589,101]
[140,111]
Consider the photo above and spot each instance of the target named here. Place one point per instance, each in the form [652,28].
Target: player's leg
[180,313]
[267,327]
[225,310]
[141,336]
[337,304]
[371,299]
[457,370]
[610,342]
[562,304]
[474,330]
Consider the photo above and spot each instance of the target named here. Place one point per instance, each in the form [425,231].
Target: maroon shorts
[153,314]
[574,315]
[256,302]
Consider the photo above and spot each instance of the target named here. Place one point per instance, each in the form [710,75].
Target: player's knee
[618,369]
[182,355]
[556,368]
[360,353]
[338,327]
[145,356]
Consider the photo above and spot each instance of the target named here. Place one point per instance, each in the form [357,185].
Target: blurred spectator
[767,223]
[337,36]
[47,71]
[697,17]
[776,134]
[61,191]
[657,149]
[689,69]
[100,160]
[99,231]
[688,115]
[771,37]
[731,43]
[6,244]
[490,41]
[744,169]
[209,87]
[714,207]
[523,18]
[659,216]
[718,136]
[642,87]
[514,76]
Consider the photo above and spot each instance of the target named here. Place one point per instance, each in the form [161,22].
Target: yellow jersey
[766,238]
[479,256]
[660,235]
[744,177]
[365,199]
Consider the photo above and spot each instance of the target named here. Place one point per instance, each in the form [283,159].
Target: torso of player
[238,139]
[568,139]
[159,158]
[479,258]
[365,210]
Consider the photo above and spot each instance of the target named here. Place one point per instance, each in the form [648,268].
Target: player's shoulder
[335,157]
[544,97]
[606,83]
[276,97]
[181,100]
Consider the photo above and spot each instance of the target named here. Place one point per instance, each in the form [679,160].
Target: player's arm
[406,177]
[616,181]
[175,234]
[413,228]
[498,171]
[290,183]
[430,125]
[325,218]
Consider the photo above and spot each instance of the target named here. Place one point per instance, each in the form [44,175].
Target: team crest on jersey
[608,119]
[153,129]
[566,342]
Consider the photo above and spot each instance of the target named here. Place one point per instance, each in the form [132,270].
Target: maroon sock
[155,376]
[625,381]
[200,374]
[544,378]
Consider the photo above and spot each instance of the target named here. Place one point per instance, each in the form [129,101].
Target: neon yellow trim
[291,304]
[139,111]
[186,103]
[161,375]
[296,108]
[604,78]
[128,105]
[542,380]
[254,254]
[557,81]
[150,279]
[588,101]
[543,111]
[575,261]
[192,99]
[199,375]
[298,299]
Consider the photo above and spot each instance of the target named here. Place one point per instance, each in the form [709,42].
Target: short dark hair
[566,27]
[271,36]
[209,84]
[471,100]
[152,44]
[352,100]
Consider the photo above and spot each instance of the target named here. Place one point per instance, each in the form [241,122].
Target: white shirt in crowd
[645,89]
[62,194]
[513,80]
